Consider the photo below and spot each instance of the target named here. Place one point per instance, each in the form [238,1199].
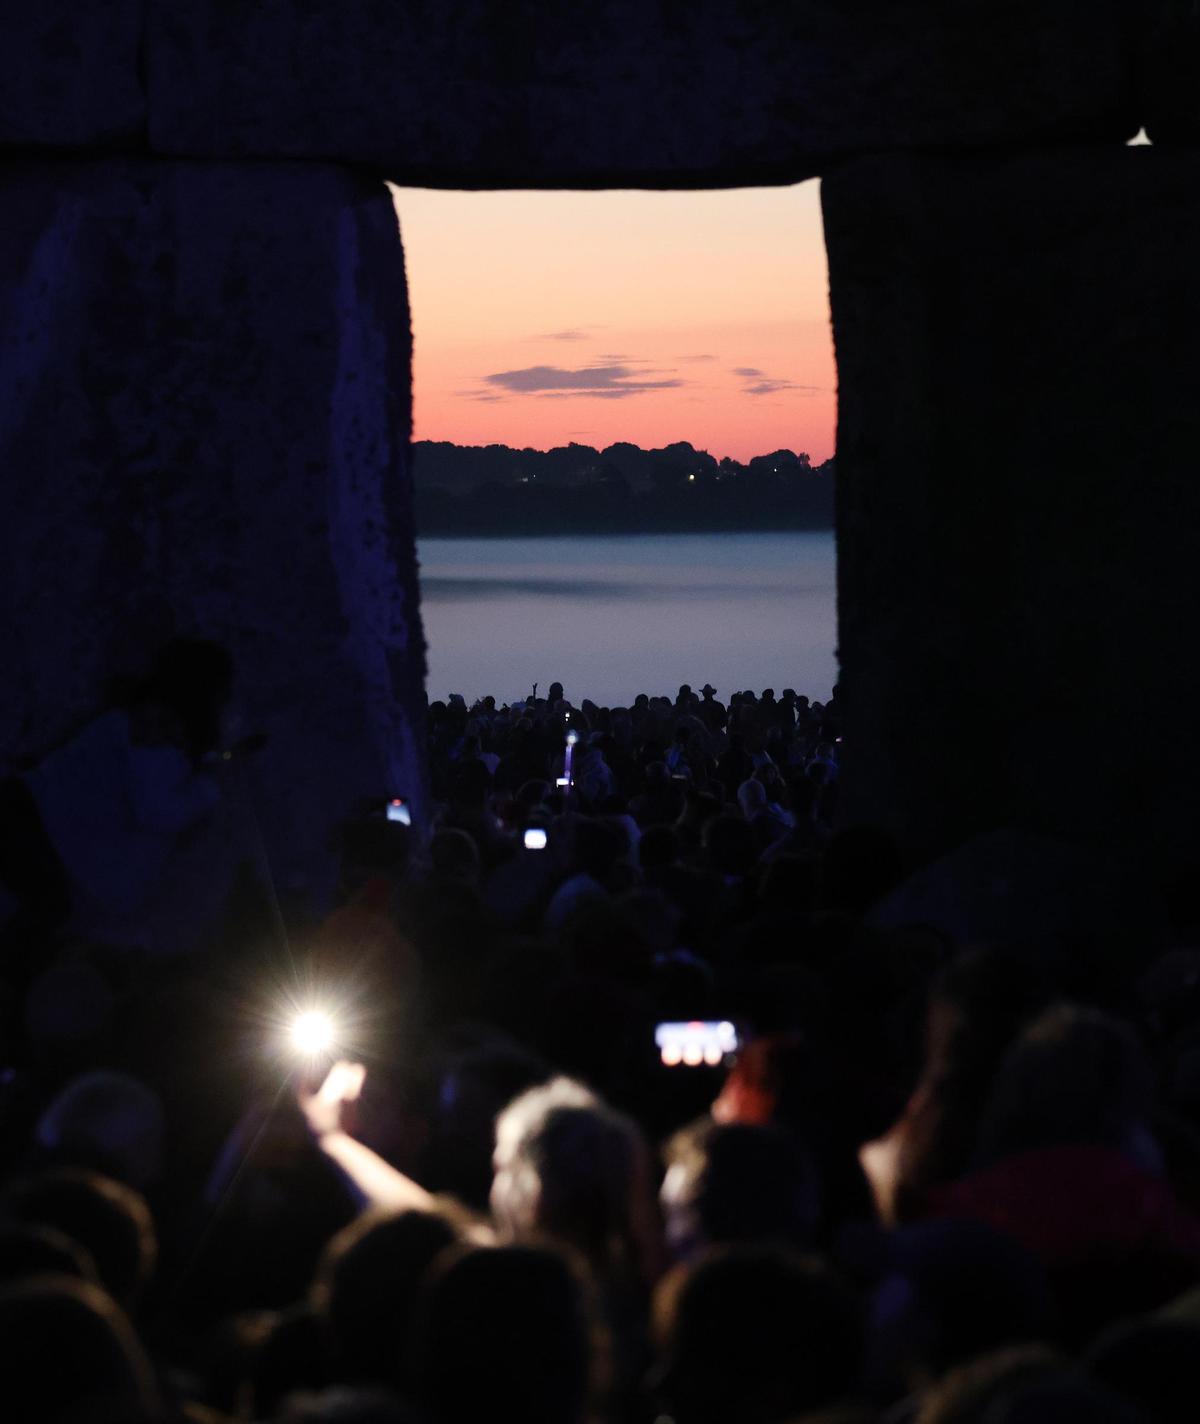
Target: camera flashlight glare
[312,1033]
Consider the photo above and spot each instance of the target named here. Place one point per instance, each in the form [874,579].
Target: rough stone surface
[677,93]
[70,74]
[672,93]
[204,419]
[1019,514]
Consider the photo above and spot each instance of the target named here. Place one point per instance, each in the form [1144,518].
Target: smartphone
[397,810]
[535,838]
[562,781]
[701,1043]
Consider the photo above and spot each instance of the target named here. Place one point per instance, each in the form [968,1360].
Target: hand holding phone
[330,1108]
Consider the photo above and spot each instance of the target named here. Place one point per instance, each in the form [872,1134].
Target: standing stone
[1019,514]
[204,424]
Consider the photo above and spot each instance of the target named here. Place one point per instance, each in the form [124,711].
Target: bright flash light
[572,737]
[312,1033]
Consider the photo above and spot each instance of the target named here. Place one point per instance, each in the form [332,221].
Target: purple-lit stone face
[204,391]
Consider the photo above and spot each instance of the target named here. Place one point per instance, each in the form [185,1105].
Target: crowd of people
[430,1158]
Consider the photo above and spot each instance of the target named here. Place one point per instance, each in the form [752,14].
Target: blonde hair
[569,1166]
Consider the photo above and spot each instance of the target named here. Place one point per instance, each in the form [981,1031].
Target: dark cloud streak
[758,383]
[609,382]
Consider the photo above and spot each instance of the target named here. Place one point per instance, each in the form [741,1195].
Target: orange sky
[541,318]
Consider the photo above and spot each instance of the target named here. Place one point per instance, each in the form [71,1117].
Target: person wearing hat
[711,712]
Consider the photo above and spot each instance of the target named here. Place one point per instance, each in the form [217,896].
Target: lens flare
[312,1033]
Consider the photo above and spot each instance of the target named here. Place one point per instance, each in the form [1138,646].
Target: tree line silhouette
[577,489]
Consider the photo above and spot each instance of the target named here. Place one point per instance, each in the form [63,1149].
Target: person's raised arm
[329,1112]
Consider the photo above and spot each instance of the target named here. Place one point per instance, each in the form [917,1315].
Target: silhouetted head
[291,1355]
[730,846]
[555,693]
[367,1286]
[1074,1075]
[596,846]
[533,793]
[505,1331]
[658,776]
[736,1184]
[759,1335]
[192,678]
[109,1220]
[68,1347]
[472,784]
[371,846]
[978,1002]
[788,885]
[752,798]
[454,855]
[951,1290]
[658,848]
[108,1121]
[42,1251]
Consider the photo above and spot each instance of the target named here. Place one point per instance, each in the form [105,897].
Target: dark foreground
[938,1180]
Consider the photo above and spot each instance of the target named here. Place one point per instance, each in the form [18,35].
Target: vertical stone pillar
[1019,514]
[204,424]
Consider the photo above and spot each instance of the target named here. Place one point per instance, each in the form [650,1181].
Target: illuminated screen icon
[397,810]
[535,838]
[707,1042]
[562,781]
